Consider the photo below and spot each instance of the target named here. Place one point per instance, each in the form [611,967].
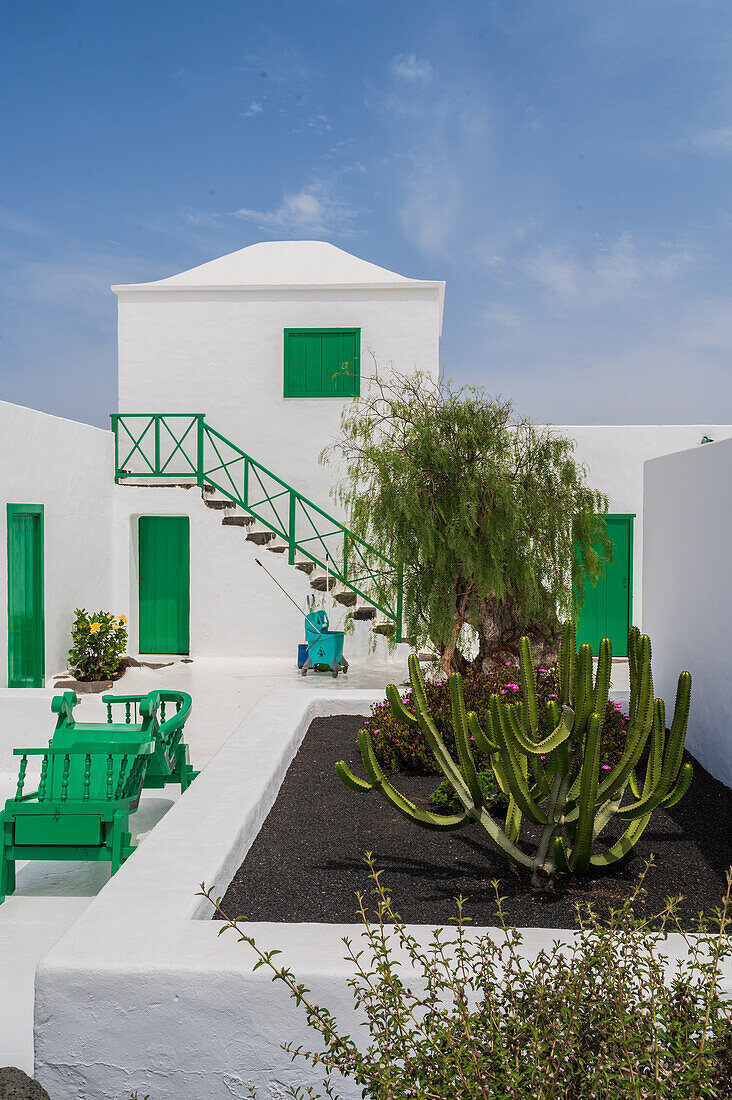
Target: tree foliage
[489,514]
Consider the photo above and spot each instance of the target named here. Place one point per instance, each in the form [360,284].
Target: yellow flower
[123,619]
[94,628]
[120,626]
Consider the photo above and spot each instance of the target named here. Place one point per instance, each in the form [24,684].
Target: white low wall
[142,993]
[688,594]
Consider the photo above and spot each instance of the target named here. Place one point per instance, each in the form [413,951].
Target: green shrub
[398,749]
[98,643]
[601,1018]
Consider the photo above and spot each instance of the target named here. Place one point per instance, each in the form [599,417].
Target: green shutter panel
[322,362]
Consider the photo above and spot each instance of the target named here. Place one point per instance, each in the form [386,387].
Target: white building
[254,355]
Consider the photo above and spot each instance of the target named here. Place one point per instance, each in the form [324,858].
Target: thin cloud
[712,142]
[254,108]
[410,69]
[610,276]
[315,209]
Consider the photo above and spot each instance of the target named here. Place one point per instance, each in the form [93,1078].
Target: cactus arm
[583,688]
[431,735]
[344,773]
[682,785]
[606,812]
[554,739]
[561,858]
[602,682]
[638,730]
[528,687]
[633,784]
[515,716]
[566,666]
[400,712]
[500,773]
[671,758]
[514,817]
[548,837]
[460,723]
[436,822]
[483,743]
[621,847]
[514,771]
[582,847]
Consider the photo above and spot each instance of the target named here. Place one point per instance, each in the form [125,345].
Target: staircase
[183,449]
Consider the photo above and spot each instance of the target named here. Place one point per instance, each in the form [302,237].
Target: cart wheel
[345,667]
[304,671]
[334,669]
[308,664]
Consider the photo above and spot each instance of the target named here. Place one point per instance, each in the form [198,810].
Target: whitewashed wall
[221,353]
[66,467]
[688,594]
[236,610]
[614,455]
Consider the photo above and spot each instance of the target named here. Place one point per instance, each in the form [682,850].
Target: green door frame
[38,643]
[163,615]
[630,517]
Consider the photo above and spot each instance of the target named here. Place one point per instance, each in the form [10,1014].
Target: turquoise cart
[325,646]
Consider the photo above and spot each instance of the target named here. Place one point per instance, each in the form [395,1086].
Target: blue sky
[565,166]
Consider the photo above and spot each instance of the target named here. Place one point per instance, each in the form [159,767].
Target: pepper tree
[490,515]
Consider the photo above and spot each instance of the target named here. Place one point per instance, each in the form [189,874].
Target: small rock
[16,1085]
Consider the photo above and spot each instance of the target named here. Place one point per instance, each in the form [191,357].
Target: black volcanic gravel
[306,864]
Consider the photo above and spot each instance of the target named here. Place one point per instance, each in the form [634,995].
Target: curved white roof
[291,264]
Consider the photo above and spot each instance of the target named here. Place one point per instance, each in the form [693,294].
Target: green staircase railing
[184,445]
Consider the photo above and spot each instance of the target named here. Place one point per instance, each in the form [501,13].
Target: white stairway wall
[687,591]
[68,468]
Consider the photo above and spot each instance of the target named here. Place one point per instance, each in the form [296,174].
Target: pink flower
[543,671]
[378,730]
[513,687]
[606,767]
[552,696]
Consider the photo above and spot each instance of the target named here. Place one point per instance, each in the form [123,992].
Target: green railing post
[291,527]
[400,593]
[115,429]
[245,497]
[156,420]
[345,554]
[199,451]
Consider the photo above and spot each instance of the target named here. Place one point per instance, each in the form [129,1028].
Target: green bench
[91,778]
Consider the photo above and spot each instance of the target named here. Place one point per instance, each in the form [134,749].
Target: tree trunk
[500,626]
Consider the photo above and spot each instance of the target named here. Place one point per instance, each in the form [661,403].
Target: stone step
[348,598]
[305,566]
[219,504]
[323,584]
[238,521]
[385,627]
[362,613]
[260,538]
[278,548]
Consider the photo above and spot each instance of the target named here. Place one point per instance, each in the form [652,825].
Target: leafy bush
[98,643]
[601,1018]
[399,749]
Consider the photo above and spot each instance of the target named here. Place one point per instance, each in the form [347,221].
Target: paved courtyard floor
[50,896]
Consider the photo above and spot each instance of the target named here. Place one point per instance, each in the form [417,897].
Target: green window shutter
[322,362]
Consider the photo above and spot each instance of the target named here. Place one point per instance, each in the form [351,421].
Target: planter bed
[306,863]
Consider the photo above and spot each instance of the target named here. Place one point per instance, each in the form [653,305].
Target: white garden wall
[68,468]
[687,591]
[614,455]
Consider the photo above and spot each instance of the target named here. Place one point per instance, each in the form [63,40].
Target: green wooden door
[26,620]
[164,584]
[608,608]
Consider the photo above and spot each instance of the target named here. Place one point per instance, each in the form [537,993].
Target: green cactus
[556,782]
